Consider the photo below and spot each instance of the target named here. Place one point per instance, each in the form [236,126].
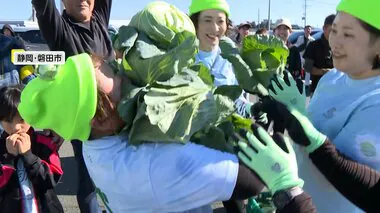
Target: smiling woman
[355,44]
[210,18]
[345,106]
[211,25]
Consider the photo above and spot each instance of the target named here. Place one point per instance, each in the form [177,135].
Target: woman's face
[212,25]
[352,47]
[283,32]
[107,120]
[244,31]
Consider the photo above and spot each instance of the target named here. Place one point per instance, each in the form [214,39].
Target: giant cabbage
[170,98]
[161,22]
[144,63]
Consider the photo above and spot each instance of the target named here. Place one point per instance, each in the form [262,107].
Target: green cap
[365,10]
[65,104]
[201,5]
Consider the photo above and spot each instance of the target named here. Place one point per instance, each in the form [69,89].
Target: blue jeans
[86,194]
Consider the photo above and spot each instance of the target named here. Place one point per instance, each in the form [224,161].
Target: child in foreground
[29,163]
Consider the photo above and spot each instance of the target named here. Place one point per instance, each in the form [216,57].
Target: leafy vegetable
[180,107]
[145,63]
[265,54]
[248,80]
[125,39]
[161,22]
[260,58]
[172,99]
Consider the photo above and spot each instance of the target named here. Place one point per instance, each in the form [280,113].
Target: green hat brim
[66,104]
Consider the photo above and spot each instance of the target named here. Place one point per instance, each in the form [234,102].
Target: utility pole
[33,14]
[258,16]
[269,22]
[305,14]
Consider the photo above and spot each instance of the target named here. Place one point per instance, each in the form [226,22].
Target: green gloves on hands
[289,92]
[299,127]
[276,166]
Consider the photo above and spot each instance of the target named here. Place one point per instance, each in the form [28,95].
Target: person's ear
[96,123]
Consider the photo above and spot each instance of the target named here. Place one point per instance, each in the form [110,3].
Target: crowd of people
[328,162]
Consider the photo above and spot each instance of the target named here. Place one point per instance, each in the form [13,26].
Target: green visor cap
[365,10]
[201,5]
[65,104]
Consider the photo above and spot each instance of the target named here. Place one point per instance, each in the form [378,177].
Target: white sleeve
[191,176]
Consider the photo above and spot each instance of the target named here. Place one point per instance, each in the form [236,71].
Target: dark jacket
[9,73]
[62,33]
[294,64]
[43,169]
[319,52]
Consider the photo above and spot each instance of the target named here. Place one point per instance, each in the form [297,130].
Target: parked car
[34,41]
[318,35]
[33,38]
[295,34]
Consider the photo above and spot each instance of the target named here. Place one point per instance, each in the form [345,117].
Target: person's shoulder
[97,18]
[333,74]
[317,42]
[331,78]
[313,43]
[38,137]
[294,49]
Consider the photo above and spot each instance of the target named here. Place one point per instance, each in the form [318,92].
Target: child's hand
[11,144]
[23,143]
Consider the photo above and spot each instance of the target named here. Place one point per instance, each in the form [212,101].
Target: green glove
[276,167]
[299,127]
[289,92]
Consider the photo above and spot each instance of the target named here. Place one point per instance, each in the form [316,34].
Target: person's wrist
[317,141]
[287,182]
[282,198]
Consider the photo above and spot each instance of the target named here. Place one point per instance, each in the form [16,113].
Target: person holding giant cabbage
[141,116]
[211,21]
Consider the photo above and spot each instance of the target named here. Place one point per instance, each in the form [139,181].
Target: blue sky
[242,10]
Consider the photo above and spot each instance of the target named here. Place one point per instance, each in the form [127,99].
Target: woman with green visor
[345,106]
[211,21]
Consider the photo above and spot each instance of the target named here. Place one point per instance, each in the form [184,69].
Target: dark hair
[374,35]
[102,109]
[9,100]
[329,20]
[307,26]
[261,31]
[8,27]
[195,19]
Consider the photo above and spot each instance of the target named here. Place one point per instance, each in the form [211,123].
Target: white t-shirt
[159,178]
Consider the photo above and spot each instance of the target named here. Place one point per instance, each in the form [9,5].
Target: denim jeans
[86,194]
